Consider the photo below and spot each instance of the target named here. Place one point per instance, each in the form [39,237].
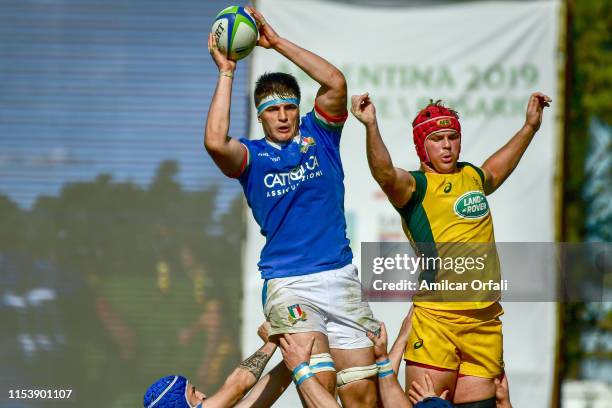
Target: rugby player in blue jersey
[292,178]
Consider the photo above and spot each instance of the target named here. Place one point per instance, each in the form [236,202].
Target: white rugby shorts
[328,302]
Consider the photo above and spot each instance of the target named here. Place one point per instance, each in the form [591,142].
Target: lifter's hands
[406,326]
[535,108]
[223,63]
[268,38]
[293,353]
[380,343]
[418,393]
[363,109]
[263,331]
[502,392]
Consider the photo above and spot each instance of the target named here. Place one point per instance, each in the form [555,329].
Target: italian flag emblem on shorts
[296,313]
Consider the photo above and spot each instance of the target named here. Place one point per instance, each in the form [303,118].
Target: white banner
[483,59]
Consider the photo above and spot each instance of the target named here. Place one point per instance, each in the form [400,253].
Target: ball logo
[219,31]
[444,122]
[471,205]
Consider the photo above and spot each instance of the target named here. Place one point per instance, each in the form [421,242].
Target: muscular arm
[389,389]
[397,350]
[391,392]
[268,389]
[502,163]
[227,153]
[315,395]
[331,97]
[397,184]
[312,391]
[242,379]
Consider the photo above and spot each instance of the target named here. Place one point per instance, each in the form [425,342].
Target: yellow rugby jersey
[446,209]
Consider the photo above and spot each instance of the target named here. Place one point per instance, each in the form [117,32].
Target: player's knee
[358,389]
[488,403]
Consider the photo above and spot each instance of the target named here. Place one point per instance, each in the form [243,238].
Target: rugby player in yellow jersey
[458,344]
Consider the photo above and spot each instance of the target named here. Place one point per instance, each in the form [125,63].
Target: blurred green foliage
[589,74]
[133,269]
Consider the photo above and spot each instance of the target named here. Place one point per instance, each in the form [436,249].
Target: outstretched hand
[535,108]
[406,325]
[268,38]
[363,108]
[502,392]
[263,330]
[293,353]
[418,393]
[380,342]
[223,63]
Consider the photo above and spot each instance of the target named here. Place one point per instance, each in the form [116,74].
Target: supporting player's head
[173,391]
[437,137]
[277,99]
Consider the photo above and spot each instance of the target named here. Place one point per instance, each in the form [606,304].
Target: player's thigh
[321,345]
[470,389]
[346,358]
[443,379]
[359,393]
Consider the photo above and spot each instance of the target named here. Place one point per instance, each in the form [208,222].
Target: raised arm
[268,389]
[389,388]
[228,154]
[397,350]
[272,385]
[502,163]
[331,97]
[397,184]
[242,379]
[296,359]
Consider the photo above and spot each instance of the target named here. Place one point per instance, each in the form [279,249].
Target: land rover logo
[472,204]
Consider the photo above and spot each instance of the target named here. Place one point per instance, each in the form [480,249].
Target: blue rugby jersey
[296,194]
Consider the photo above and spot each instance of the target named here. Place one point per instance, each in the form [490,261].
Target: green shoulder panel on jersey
[416,219]
[476,169]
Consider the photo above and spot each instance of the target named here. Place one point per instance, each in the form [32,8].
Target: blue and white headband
[274,99]
[168,392]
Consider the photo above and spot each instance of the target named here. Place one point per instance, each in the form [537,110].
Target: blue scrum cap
[167,392]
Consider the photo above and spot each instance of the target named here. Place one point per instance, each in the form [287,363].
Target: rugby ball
[236,33]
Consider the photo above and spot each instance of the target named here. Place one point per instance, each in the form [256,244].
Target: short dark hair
[277,83]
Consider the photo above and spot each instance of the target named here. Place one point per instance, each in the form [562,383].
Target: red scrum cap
[432,119]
